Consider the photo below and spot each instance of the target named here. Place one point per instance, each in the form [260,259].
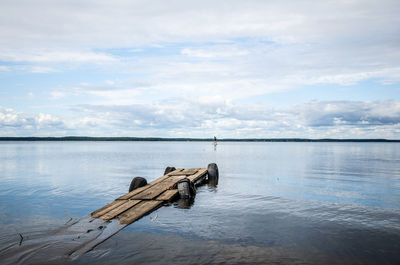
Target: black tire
[168,170]
[137,182]
[186,189]
[213,174]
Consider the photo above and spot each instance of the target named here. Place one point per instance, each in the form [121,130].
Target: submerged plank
[167,195]
[139,190]
[138,211]
[106,208]
[159,188]
[108,230]
[57,246]
[120,209]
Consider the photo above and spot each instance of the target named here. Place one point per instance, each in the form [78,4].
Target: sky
[234,69]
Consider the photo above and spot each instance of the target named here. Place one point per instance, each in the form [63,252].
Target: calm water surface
[276,203]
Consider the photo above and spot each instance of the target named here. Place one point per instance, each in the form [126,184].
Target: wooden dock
[141,201]
[128,208]
[80,236]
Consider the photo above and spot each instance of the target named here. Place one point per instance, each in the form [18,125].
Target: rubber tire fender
[169,170]
[186,188]
[213,174]
[137,182]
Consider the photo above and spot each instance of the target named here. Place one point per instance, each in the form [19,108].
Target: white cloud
[53,56]
[215,52]
[14,123]
[43,119]
[10,118]
[4,68]
[349,113]
[41,69]
[57,94]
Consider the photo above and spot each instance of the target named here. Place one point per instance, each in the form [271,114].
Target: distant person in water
[215,141]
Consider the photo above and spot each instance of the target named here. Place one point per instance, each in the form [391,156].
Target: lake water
[276,203]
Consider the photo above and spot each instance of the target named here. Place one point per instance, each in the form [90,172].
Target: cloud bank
[201,119]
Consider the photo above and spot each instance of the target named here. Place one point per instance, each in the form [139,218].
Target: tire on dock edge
[137,182]
[213,174]
[186,188]
[168,170]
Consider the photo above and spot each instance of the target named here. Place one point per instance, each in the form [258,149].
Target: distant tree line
[87,138]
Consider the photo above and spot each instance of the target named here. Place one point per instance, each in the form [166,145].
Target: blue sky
[200,68]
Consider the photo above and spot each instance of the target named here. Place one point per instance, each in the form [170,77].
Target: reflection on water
[184,203]
[284,203]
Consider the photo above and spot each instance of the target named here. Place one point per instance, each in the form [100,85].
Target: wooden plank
[184,173]
[132,193]
[106,209]
[120,209]
[198,175]
[138,211]
[159,188]
[167,195]
[189,171]
[154,182]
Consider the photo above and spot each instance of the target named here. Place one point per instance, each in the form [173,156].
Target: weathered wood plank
[189,171]
[120,209]
[167,195]
[138,211]
[106,208]
[134,192]
[184,173]
[198,175]
[154,182]
[159,188]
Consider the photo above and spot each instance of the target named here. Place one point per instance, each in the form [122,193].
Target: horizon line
[177,139]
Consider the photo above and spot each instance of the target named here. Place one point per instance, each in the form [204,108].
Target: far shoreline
[161,139]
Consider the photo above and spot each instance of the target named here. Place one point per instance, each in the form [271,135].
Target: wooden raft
[141,201]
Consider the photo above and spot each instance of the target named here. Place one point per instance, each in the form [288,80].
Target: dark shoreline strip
[157,139]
